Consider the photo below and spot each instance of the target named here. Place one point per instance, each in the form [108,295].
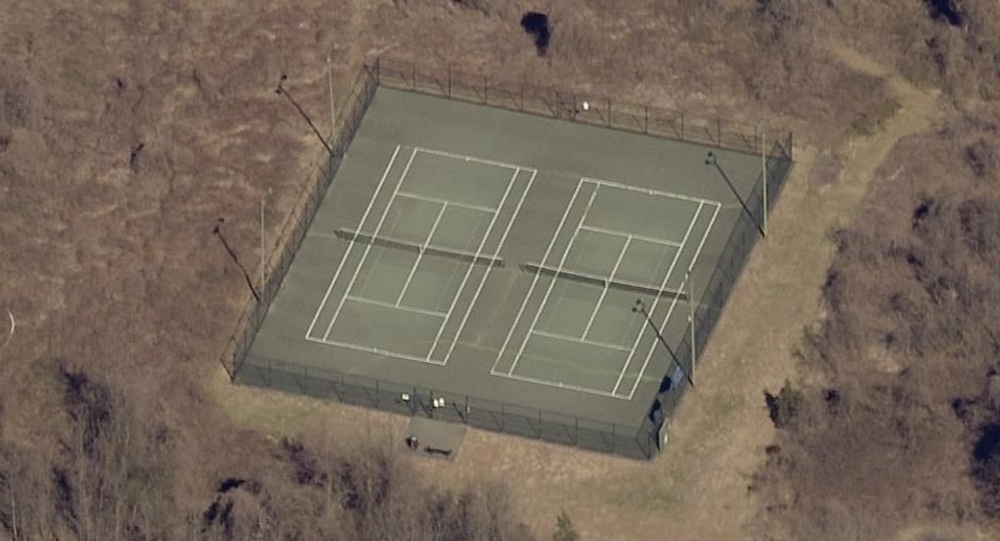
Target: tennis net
[461,255]
[604,281]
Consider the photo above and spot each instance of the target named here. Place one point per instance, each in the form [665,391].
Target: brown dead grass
[109,259]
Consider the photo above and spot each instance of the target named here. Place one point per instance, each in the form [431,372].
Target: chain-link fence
[750,225]
[487,414]
[641,442]
[320,176]
[600,111]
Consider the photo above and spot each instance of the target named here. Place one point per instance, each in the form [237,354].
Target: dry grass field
[129,128]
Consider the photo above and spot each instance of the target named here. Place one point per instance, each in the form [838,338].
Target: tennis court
[615,245]
[487,261]
[407,267]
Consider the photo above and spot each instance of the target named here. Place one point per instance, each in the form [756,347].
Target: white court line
[647,191]
[368,349]
[420,254]
[538,274]
[607,284]
[558,384]
[612,232]
[656,300]
[364,217]
[467,158]
[432,199]
[468,271]
[576,340]
[697,252]
[555,278]
[482,281]
[404,308]
[368,248]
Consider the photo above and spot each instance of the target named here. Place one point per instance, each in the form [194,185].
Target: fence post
[718,129]
[521,107]
[682,127]
[449,81]
[376,394]
[413,75]
[645,119]
[486,90]
[503,420]
[609,111]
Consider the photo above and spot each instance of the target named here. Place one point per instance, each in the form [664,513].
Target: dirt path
[697,489]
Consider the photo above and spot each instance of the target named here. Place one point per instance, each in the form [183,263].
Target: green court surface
[479,252]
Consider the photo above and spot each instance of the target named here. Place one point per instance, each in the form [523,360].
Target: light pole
[712,160]
[281,90]
[217,231]
[763,174]
[333,111]
[694,352]
[640,307]
[263,249]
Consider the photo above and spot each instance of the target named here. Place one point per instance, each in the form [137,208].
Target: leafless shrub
[905,355]
[784,407]
[986,468]
[983,158]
